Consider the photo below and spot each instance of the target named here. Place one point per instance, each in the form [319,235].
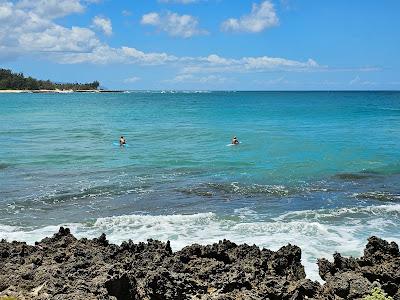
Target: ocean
[317,169]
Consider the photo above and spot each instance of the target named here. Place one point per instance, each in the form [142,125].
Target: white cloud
[147,58]
[6,10]
[216,64]
[26,28]
[218,60]
[25,31]
[104,54]
[104,24]
[261,17]
[132,79]
[151,19]
[174,24]
[51,9]
[265,62]
[187,65]
[59,39]
[212,64]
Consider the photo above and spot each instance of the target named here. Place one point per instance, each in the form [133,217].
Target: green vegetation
[7,298]
[377,294]
[17,81]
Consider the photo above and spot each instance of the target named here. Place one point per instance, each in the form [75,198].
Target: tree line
[17,81]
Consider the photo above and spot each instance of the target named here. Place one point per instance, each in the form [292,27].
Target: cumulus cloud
[24,31]
[51,9]
[147,58]
[104,24]
[104,54]
[189,67]
[59,39]
[217,64]
[27,28]
[262,16]
[174,24]
[217,60]
[151,19]
[6,10]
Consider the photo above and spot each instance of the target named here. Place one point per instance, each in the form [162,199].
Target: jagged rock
[353,278]
[63,267]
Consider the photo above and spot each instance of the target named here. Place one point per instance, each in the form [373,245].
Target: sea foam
[313,231]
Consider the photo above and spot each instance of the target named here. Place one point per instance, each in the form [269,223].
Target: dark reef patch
[353,176]
[380,196]
[4,166]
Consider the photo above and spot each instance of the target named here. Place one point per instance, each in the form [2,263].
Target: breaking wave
[319,233]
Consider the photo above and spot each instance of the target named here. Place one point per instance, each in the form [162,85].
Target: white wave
[245,212]
[11,233]
[315,237]
[322,214]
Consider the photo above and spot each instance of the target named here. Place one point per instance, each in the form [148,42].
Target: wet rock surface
[63,267]
[350,278]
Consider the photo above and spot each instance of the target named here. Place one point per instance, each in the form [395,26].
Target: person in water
[235,141]
[122,141]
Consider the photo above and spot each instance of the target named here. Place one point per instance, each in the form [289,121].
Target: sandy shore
[13,91]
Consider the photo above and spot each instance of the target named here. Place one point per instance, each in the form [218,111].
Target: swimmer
[235,141]
[122,141]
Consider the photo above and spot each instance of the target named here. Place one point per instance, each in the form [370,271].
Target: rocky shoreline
[63,267]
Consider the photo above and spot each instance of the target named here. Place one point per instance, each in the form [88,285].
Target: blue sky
[205,44]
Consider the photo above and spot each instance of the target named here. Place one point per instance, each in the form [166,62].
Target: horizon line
[200,90]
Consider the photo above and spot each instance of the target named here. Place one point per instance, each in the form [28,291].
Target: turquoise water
[317,169]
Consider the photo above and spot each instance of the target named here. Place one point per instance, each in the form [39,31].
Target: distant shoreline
[42,91]
[57,91]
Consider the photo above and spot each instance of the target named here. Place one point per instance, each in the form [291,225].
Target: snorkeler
[122,141]
[235,141]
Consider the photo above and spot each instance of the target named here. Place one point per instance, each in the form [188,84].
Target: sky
[205,44]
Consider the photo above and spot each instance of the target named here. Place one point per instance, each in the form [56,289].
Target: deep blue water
[317,169]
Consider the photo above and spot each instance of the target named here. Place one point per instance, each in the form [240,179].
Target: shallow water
[317,169]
